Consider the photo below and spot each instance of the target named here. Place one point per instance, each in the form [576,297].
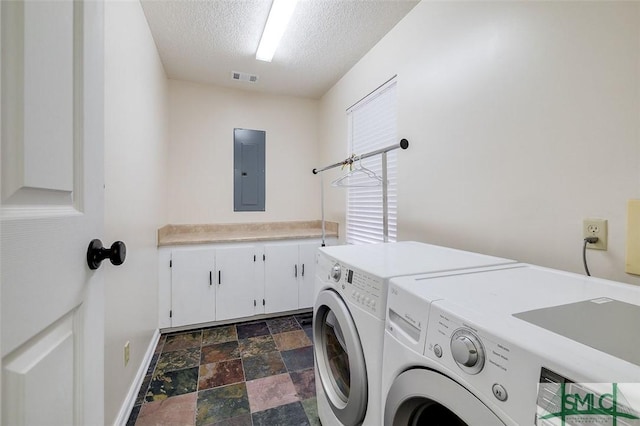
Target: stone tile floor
[252,373]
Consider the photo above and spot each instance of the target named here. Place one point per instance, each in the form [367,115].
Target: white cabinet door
[307,266]
[52,202]
[193,290]
[237,281]
[281,277]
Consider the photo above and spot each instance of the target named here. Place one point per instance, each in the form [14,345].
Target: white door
[237,280]
[193,291]
[281,277]
[52,308]
[307,271]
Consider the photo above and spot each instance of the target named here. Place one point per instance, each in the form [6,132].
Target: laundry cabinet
[289,275]
[306,278]
[207,283]
[239,282]
[214,284]
[193,295]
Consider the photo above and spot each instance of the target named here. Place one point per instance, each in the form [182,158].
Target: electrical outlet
[127,353]
[595,228]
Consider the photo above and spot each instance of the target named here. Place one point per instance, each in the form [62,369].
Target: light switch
[632,263]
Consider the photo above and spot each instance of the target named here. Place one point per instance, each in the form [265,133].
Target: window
[373,125]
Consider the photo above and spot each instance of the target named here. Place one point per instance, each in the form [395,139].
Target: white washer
[505,346]
[348,320]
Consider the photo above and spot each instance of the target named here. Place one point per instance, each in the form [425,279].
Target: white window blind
[373,125]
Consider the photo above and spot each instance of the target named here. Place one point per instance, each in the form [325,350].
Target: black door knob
[96,253]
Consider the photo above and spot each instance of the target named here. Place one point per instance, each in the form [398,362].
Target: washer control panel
[463,346]
[365,290]
[489,364]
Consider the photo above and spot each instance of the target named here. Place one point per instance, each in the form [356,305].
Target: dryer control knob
[467,351]
[336,272]
[464,351]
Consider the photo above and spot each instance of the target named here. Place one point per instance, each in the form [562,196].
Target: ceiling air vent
[243,76]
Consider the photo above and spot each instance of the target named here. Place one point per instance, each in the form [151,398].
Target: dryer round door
[339,358]
[422,397]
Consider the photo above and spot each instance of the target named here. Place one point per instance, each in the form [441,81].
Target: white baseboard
[130,400]
[236,320]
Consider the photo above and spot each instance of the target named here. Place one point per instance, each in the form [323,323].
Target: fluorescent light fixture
[281,11]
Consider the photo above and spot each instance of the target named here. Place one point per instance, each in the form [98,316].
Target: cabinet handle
[210,277]
[219,277]
[295,274]
[303,269]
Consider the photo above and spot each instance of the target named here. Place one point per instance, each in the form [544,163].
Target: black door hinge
[254,303]
[262,302]
[264,257]
[171,314]
[170,263]
[254,257]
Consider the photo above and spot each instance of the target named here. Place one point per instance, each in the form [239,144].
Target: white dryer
[349,317]
[516,345]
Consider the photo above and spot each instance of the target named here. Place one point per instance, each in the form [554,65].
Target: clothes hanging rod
[404,144]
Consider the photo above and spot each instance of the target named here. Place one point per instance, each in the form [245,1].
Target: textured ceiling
[204,41]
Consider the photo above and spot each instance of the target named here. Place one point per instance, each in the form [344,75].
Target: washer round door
[422,397]
[339,358]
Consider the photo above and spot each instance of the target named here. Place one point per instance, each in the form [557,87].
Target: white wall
[135,176]
[202,119]
[523,119]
